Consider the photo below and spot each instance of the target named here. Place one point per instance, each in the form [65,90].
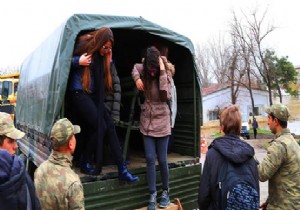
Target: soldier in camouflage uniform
[281,166]
[57,185]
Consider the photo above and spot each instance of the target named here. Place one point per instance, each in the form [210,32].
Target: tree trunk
[250,92]
[279,92]
[270,94]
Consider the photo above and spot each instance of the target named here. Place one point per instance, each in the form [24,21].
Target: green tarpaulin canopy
[44,74]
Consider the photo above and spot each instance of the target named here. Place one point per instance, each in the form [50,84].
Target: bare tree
[243,59]
[251,32]
[224,61]
[254,34]
[237,32]
[204,64]
[238,68]
[220,59]
[259,54]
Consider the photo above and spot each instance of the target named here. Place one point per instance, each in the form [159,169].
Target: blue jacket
[17,191]
[112,100]
[76,74]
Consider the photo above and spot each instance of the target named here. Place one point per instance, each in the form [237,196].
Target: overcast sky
[26,23]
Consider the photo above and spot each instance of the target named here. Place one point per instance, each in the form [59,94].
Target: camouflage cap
[7,127]
[62,131]
[279,111]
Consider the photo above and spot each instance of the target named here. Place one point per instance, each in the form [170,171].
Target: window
[6,88]
[257,110]
[213,115]
[15,88]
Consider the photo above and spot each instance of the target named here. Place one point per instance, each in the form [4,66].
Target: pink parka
[155,119]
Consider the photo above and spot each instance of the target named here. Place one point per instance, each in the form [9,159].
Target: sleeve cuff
[162,72]
[75,61]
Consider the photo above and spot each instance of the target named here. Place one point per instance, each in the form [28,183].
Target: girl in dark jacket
[88,85]
[228,148]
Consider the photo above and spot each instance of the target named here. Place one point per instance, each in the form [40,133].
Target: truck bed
[136,165]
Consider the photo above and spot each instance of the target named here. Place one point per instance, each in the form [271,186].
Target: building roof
[218,87]
[213,88]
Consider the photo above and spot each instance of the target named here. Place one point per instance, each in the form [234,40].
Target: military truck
[42,100]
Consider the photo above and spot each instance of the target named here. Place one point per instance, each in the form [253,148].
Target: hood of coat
[233,148]
[12,173]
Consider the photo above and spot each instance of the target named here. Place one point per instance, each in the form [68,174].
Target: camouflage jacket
[281,167]
[57,185]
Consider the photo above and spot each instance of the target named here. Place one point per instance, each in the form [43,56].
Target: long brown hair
[92,43]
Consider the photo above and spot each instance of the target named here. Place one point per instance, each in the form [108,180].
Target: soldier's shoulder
[44,165]
[276,146]
[285,139]
[72,176]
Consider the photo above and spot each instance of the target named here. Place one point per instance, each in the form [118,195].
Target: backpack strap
[221,176]
[28,198]
[222,173]
[221,200]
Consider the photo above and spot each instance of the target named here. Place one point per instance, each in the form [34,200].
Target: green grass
[260,131]
[216,135]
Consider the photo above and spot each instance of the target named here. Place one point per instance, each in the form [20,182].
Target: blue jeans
[157,146]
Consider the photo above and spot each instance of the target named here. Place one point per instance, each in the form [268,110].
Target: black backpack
[237,187]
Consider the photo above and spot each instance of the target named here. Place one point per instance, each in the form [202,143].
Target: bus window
[6,89]
[16,88]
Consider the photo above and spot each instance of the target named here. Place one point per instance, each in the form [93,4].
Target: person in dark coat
[88,85]
[17,191]
[228,147]
[255,126]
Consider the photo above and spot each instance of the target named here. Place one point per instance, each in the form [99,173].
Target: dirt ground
[260,153]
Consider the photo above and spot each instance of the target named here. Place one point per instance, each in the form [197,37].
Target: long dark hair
[151,60]
[91,43]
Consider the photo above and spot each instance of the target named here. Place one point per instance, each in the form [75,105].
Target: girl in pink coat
[151,78]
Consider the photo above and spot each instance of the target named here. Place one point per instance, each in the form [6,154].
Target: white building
[218,96]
